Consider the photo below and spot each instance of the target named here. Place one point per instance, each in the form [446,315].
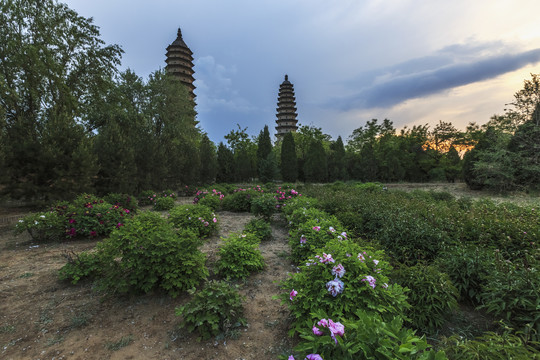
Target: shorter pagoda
[286,110]
[180,63]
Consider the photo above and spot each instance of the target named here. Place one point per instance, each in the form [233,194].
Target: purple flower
[344,234]
[338,271]
[335,287]
[325,258]
[293,294]
[314,357]
[291,358]
[323,323]
[316,331]
[371,280]
[376,262]
[331,229]
[302,239]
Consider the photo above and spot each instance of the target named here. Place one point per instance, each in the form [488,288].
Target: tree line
[71,122]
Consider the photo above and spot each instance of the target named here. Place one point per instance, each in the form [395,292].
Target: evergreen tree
[268,168]
[225,160]
[208,158]
[264,149]
[53,66]
[336,164]
[316,166]
[289,161]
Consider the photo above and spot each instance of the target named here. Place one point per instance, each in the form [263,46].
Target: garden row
[442,249]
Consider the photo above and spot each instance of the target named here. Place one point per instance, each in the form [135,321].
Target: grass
[117,345]
[55,340]
[26,275]
[7,329]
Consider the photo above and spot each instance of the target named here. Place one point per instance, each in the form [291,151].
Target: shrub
[124,201]
[312,235]
[300,202]
[147,253]
[81,266]
[432,295]
[211,201]
[322,285]
[163,203]
[216,309]
[366,336]
[511,292]
[490,346]
[44,226]
[198,218]
[468,268]
[147,197]
[240,201]
[264,206]
[239,256]
[260,228]
[370,187]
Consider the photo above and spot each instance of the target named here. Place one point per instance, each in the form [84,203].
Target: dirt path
[42,318]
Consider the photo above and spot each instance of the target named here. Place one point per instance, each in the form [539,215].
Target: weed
[26,275]
[80,320]
[7,329]
[55,340]
[117,345]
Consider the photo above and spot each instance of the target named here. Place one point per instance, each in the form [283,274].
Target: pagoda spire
[286,110]
[180,62]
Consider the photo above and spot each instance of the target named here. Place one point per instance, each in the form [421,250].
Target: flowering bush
[365,336]
[336,281]
[163,203]
[44,226]
[87,216]
[284,194]
[313,234]
[198,218]
[301,202]
[147,253]
[264,206]
[260,228]
[240,200]
[124,201]
[147,197]
[239,256]
[215,309]
[211,199]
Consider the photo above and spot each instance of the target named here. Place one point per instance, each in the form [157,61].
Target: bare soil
[43,318]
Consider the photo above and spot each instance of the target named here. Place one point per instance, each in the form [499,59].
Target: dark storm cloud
[431,75]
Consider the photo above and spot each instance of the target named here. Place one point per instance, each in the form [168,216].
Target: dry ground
[42,318]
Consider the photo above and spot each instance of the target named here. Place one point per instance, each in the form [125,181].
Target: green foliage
[260,228]
[147,253]
[289,160]
[366,336]
[147,197]
[239,256]
[198,218]
[432,296]
[490,346]
[295,203]
[44,226]
[163,203]
[468,268]
[240,201]
[215,309]
[208,158]
[364,285]
[124,201]
[212,201]
[316,165]
[225,160]
[264,206]
[86,265]
[511,292]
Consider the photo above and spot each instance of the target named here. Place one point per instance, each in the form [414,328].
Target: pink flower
[127,211]
[293,294]
[214,220]
[361,257]
[316,228]
[338,271]
[331,229]
[93,233]
[72,221]
[119,225]
[323,323]
[336,329]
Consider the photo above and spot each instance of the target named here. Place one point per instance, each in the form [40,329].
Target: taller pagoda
[180,63]
[286,110]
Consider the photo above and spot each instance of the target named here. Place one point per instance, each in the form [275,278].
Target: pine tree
[264,149]
[316,165]
[208,159]
[225,160]
[289,161]
[336,162]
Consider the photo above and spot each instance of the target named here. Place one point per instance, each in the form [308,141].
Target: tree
[289,161]
[244,151]
[53,66]
[316,166]
[225,160]
[336,162]
[264,149]
[208,158]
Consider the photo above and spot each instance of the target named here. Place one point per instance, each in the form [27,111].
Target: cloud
[450,67]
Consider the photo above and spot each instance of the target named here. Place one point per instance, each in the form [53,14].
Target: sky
[414,62]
